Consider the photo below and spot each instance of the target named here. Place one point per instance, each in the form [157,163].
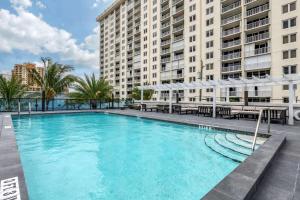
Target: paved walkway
[282,179]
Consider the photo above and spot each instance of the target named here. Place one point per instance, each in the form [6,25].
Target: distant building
[21,72]
[6,76]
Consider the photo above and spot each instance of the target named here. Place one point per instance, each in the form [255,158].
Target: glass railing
[35,104]
[257,10]
[231,6]
[257,37]
[258,23]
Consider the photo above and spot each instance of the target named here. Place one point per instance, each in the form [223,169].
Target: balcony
[257,52]
[231,6]
[165,51]
[178,44]
[178,57]
[165,60]
[137,58]
[257,10]
[166,42]
[258,37]
[231,19]
[231,31]
[177,29]
[231,43]
[257,65]
[165,25]
[260,93]
[178,19]
[231,56]
[258,24]
[177,10]
[231,68]
[166,33]
[179,64]
[177,1]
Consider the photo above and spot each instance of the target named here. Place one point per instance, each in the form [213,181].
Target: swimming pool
[95,156]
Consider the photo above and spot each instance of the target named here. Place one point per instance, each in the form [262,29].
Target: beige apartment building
[153,42]
[21,72]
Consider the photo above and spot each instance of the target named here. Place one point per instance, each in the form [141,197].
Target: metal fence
[35,104]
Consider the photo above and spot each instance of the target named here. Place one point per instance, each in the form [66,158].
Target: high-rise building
[168,41]
[22,72]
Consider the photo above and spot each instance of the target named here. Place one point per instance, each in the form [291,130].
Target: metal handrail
[256,130]
[258,124]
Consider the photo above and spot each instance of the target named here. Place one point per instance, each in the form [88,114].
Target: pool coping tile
[10,163]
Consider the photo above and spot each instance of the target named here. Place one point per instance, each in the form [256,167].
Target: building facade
[168,41]
[21,72]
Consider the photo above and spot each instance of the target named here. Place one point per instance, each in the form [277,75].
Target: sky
[65,30]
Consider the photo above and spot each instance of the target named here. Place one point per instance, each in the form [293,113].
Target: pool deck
[280,180]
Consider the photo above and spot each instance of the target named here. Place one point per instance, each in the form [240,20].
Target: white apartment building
[168,41]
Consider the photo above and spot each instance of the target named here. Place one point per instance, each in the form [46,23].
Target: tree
[54,81]
[136,94]
[10,90]
[91,89]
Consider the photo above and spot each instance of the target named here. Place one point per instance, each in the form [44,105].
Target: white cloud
[28,32]
[21,3]
[40,4]
[98,2]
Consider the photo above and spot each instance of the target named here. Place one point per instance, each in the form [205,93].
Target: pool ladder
[258,124]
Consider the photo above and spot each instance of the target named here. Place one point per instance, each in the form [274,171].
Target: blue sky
[65,30]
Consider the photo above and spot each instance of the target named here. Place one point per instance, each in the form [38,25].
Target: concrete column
[227,95]
[291,103]
[158,95]
[170,100]
[215,102]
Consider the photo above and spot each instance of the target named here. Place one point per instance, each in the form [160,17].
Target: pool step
[211,142]
[249,139]
[222,141]
[234,139]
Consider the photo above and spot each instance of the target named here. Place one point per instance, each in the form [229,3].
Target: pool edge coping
[11,165]
[246,176]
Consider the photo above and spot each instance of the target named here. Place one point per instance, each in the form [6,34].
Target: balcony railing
[231,68]
[231,56]
[256,52]
[231,6]
[231,43]
[231,19]
[231,31]
[257,65]
[178,57]
[257,10]
[257,24]
[257,37]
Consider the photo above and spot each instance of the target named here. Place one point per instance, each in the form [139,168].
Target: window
[289,23]
[289,54]
[289,7]
[289,38]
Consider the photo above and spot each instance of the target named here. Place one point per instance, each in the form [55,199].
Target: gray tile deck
[281,179]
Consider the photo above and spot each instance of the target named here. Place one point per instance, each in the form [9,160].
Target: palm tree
[136,94]
[10,90]
[54,80]
[91,89]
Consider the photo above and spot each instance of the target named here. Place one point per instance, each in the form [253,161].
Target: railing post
[29,108]
[19,107]
[269,120]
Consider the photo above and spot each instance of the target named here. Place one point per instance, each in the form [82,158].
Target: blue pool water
[111,157]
